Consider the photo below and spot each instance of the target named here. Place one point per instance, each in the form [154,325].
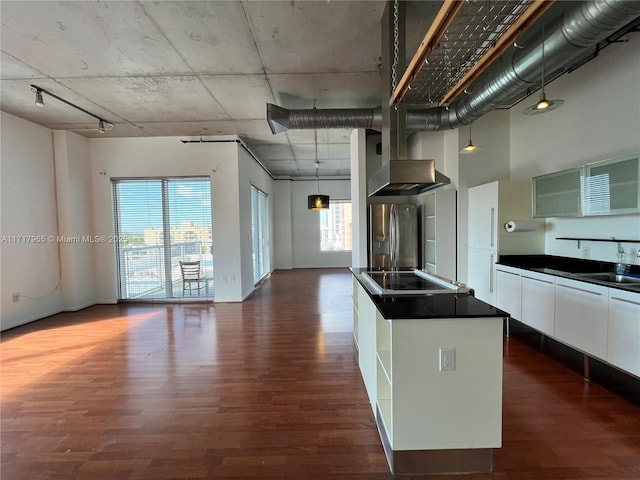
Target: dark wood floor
[265,389]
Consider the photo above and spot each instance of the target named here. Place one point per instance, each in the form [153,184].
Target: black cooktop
[403,281]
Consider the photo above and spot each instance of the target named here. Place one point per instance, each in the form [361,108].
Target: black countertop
[567,267]
[441,305]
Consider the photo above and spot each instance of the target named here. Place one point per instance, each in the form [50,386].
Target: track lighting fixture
[39,99]
[103,125]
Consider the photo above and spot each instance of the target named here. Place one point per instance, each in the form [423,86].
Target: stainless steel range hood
[398,174]
[406,177]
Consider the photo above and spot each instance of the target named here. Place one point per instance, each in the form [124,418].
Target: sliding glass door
[163,222]
[260,234]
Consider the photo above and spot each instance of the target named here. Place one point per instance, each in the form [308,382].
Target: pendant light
[470,148]
[543,104]
[317,202]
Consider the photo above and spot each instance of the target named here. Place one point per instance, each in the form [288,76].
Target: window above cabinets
[608,187]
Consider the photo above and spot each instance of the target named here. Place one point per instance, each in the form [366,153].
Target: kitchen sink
[610,277]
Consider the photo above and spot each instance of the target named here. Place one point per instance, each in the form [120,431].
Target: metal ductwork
[281,119]
[582,27]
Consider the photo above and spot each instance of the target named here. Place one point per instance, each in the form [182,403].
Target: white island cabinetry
[434,416]
[424,408]
[365,326]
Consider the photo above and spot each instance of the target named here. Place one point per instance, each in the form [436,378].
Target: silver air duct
[580,28]
[281,119]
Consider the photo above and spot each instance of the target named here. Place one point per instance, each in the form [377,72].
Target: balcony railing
[143,271]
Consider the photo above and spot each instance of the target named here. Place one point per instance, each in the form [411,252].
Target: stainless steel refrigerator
[393,236]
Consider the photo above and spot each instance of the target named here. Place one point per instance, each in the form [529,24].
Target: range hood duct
[582,26]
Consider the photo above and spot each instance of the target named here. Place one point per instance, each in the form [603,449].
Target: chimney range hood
[406,177]
[398,174]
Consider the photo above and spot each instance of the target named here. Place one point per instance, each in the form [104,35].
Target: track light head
[101,126]
[39,99]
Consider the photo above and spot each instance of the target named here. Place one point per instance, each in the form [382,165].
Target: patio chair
[192,279]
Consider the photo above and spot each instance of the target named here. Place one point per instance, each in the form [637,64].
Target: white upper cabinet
[558,194]
[612,186]
[608,187]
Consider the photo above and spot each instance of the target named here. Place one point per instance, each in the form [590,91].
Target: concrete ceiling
[192,69]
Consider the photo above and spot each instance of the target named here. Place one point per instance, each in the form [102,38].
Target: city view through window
[162,222]
[335,227]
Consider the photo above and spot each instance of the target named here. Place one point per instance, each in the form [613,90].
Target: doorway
[161,222]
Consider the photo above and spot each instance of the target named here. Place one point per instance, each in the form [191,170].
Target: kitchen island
[432,367]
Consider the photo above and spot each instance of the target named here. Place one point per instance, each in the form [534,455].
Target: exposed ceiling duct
[280,119]
[568,38]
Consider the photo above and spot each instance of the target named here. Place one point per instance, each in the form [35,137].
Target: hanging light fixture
[543,105]
[470,148]
[317,202]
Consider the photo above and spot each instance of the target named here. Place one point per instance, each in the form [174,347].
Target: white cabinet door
[612,186]
[367,343]
[581,316]
[558,194]
[483,216]
[623,346]
[509,290]
[538,301]
[481,274]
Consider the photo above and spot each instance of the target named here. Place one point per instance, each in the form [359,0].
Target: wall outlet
[16,297]
[586,252]
[447,359]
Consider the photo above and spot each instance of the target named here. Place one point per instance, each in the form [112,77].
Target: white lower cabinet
[538,301]
[581,316]
[623,339]
[424,408]
[509,290]
[601,322]
[367,313]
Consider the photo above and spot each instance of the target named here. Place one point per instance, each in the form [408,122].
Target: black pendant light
[318,201]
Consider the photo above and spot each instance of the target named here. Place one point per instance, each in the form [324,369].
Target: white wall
[73,189]
[250,173]
[600,119]
[167,156]
[306,224]
[282,227]
[359,197]
[28,207]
